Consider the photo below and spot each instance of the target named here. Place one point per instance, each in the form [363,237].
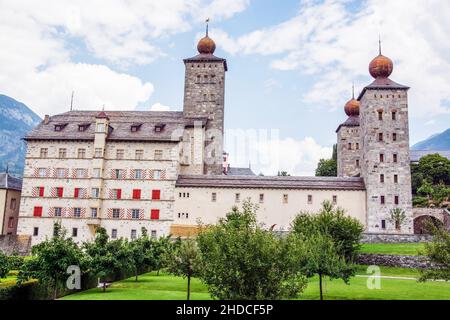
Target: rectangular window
[135,213]
[380,136]
[96,173]
[261,197]
[349,146]
[58,212]
[383,224]
[153,234]
[60,173]
[156,194]
[357,146]
[80,173]
[394,137]
[380,115]
[95,193]
[41,191]
[93,212]
[213,197]
[394,158]
[395,178]
[35,231]
[117,174]
[381,157]
[139,154]
[76,193]
[62,153]
[285,198]
[117,193]
[382,178]
[133,234]
[81,153]
[100,127]
[77,212]
[136,194]
[44,153]
[11,222]
[116,213]
[114,234]
[74,232]
[157,174]
[138,174]
[42,172]
[154,214]
[237,197]
[59,192]
[12,204]
[394,115]
[119,154]
[158,154]
[334,199]
[98,152]
[310,198]
[382,200]
[37,212]
[396,201]
[357,163]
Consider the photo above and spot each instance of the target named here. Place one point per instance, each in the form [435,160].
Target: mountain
[16,120]
[438,142]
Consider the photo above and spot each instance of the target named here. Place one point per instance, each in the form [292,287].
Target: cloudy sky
[291,63]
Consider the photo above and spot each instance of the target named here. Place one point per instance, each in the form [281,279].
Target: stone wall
[347,156]
[14,243]
[394,238]
[390,260]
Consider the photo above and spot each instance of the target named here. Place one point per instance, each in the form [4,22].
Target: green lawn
[392,248]
[166,287]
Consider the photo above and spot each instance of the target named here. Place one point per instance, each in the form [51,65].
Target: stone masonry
[349,151]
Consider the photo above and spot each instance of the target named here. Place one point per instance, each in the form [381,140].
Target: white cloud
[329,40]
[159,107]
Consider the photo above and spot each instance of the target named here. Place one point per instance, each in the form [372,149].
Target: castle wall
[348,151]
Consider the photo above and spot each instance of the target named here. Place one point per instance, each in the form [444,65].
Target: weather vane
[207,22]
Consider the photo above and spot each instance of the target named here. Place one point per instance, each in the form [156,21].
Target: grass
[393,248]
[167,287]
[8,281]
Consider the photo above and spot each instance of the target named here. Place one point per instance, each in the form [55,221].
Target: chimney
[46,119]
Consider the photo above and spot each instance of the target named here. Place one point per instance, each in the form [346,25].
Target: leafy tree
[283,174]
[435,168]
[345,231]
[440,193]
[397,216]
[51,258]
[15,261]
[322,257]
[4,265]
[185,262]
[241,260]
[420,202]
[438,252]
[108,258]
[141,253]
[161,250]
[426,189]
[326,168]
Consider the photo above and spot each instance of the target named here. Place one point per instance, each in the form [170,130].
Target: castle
[164,170]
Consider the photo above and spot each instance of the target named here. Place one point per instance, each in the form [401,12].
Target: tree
[185,262]
[51,258]
[108,258]
[4,265]
[321,257]
[435,168]
[161,249]
[440,193]
[397,216]
[241,260]
[326,168]
[438,253]
[283,174]
[141,253]
[345,231]
[425,189]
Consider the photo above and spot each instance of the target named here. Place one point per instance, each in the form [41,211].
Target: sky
[291,64]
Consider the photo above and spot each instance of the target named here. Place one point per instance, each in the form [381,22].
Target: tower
[385,164]
[204,91]
[349,142]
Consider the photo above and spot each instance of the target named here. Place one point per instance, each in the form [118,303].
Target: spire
[207,22]
[379,44]
[353,90]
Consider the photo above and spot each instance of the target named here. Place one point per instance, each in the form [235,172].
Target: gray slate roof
[350,122]
[415,155]
[120,122]
[240,172]
[272,182]
[7,181]
[207,58]
[382,83]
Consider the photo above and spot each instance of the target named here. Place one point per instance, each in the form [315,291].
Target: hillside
[436,142]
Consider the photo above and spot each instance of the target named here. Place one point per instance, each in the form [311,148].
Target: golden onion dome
[206,45]
[352,108]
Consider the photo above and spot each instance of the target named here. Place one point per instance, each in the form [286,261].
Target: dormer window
[60,127]
[159,127]
[83,127]
[136,127]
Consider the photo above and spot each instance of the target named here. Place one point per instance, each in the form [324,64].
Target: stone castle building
[165,171]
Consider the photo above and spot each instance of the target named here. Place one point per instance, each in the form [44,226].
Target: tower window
[380,115]
[380,136]
[357,146]
[395,178]
[382,200]
[394,158]
[381,157]
[394,115]
[394,137]
[139,154]
[396,200]
[357,163]
[44,152]
[349,146]
[383,224]
[382,178]
[120,153]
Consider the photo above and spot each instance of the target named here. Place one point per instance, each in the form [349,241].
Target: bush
[420,202]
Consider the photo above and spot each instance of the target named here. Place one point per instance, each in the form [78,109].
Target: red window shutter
[119,193]
[37,211]
[60,192]
[156,194]
[136,193]
[154,214]
[76,192]
[41,191]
